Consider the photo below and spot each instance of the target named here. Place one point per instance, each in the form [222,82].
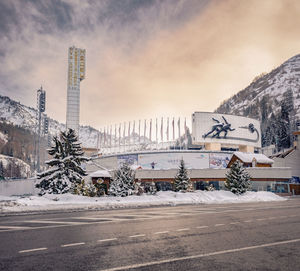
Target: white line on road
[72,245]
[34,249]
[161,232]
[248,221]
[184,229]
[218,225]
[106,240]
[53,222]
[136,236]
[13,227]
[200,255]
[201,227]
[260,219]
[233,223]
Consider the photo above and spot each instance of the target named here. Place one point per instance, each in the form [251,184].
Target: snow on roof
[101,173]
[247,157]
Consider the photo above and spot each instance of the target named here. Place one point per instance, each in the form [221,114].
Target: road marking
[201,227]
[260,219]
[14,227]
[34,249]
[53,222]
[161,232]
[184,229]
[233,223]
[199,255]
[106,240]
[136,236]
[218,225]
[248,221]
[73,244]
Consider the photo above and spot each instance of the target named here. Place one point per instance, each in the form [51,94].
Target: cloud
[144,58]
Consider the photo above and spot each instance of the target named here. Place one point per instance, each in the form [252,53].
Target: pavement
[247,236]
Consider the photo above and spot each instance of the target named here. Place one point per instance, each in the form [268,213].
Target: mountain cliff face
[15,113]
[273,98]
[273,86]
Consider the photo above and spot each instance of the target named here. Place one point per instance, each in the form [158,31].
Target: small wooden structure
[251,159]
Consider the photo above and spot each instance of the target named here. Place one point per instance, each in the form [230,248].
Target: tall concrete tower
[76,73]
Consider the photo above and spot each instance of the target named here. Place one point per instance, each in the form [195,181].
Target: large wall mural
[225,129]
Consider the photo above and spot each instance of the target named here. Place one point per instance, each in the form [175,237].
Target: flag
[120,134]
[129,133]
[133,128]
[110,136]
[150,130]
[156,133]
[124,128]
[185,128]
[179,128]
[168,130]
[173,125]
[161,129]
[115,134]
[139,132]
[145,127]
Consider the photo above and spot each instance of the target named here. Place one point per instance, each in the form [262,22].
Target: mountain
[273,98]
[20,115]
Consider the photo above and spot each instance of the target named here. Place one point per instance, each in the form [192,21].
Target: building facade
[76,73]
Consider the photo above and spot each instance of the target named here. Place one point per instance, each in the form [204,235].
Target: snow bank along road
[246,236]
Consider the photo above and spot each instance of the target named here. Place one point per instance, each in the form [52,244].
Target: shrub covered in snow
[123,182]
[65,168]
[182,180]
[237,179]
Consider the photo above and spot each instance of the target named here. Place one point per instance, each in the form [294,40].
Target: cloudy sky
[145,58]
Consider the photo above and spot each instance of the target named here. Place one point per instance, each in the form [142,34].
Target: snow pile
[69,201]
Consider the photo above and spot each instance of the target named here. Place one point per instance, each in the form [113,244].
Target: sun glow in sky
[145,58]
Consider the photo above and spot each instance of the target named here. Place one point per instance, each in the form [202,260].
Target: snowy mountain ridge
[21,115]
[272,86]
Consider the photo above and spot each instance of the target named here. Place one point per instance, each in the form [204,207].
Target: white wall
[18,187]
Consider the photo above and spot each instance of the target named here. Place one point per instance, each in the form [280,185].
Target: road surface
[253,236]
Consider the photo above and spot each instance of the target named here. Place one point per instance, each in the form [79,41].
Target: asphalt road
[256,236]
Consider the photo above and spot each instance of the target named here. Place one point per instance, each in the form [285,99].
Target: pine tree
[1,171]
[65,168]
[237,179]
[182,180]
[123,182]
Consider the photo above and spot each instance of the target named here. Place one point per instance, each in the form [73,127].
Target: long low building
[267,179]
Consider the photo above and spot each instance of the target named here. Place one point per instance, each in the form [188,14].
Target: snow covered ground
[69,201]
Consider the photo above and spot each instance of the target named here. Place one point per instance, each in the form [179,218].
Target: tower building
[76,73]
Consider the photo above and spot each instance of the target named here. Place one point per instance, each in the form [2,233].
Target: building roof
[247,157]
[101,173]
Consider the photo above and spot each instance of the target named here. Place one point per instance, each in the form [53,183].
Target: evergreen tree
[65,168]
[1,171]
[123,182]
[182,180]
[237,179]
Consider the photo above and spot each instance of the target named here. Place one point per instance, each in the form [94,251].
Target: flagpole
[156,135]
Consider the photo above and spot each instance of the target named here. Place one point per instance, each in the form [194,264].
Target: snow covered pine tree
[182,180]
[237,179]
[65,168]
[123,182]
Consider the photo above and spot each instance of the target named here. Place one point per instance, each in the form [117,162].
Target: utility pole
[41,106]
